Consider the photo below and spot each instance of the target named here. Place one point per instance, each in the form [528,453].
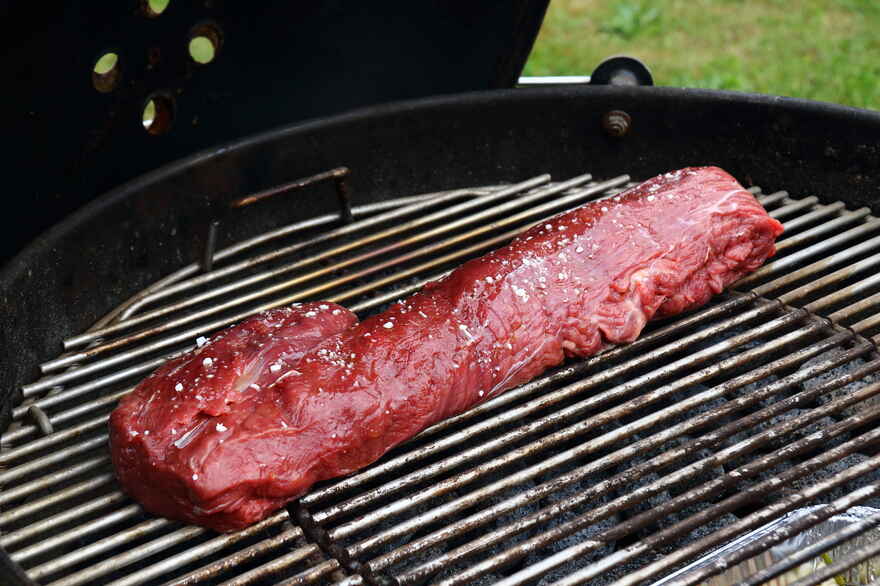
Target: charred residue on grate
[707,408]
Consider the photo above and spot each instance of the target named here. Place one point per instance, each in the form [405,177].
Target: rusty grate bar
[725,431]
[783,506]
[318,575]
[540,384]
[574,410]
[769,512]
[220,543]
[609,438]
[235,560]
[667,458]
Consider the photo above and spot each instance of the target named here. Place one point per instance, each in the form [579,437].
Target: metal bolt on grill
[619,468]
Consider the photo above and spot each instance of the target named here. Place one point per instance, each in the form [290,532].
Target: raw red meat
[583,279]
[183,412]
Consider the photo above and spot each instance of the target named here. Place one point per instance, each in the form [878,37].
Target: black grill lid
[275,63]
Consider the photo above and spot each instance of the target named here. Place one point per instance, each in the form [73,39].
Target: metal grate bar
[84,408]
[317,573]
[53,365]
[132,320]
[156,345]
[818,249]
[591,446]
[506,439]
[831,279]
[666,459]
[277,565]
[45,462]
[410,548]
[487,196]
[780,534]
[97,383]
[75,490]
[76,533]
[828,227]
[868,323]
[414,204]
[794,206]
[824,211]
[765,199]
[13,494]
[50,524]
[531,388]
[793,260]
[855,291]
[549,419]
[102,381]
[769,512]
[58,437]
[215,545]
[419,236]
[232,287]
[232,561]
[60,563]
[659,462]
[250,243]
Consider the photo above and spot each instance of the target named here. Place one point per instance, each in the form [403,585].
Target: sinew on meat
[164,434]
[193,442]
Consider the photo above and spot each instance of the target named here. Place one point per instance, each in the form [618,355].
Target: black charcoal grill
[620,469]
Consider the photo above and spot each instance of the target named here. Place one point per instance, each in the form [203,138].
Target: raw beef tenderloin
[224,455]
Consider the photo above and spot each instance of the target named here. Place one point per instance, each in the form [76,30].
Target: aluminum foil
[863,573]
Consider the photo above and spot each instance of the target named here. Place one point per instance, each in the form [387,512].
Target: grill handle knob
[622,70]
[619,70]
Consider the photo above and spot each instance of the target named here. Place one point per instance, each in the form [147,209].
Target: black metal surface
[622,70]
[11,573]
[142,230]
[275,63]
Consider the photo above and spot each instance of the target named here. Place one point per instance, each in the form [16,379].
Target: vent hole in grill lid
[153,8]
[158,113]
[204,43]
[106,72]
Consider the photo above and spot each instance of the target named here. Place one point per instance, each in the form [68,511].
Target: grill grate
[624,466]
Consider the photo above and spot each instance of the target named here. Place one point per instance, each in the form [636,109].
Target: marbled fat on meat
[224,454]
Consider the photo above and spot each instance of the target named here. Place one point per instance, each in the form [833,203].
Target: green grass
[818,49]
